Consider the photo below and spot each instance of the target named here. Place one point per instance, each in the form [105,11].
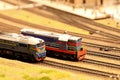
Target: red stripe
[70,43]
[59,50]
[83,52]
[39,59]
[79,43]
[74,44]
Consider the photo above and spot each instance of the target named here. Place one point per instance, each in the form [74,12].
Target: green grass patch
[33,18]
[16,70]
[2,75]
[109,22]
[26,77]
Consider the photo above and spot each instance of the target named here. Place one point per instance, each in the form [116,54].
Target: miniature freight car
[22,47]
[61,45]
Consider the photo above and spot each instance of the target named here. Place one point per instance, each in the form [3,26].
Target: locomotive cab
[22,47]
[75,44]
[40,52]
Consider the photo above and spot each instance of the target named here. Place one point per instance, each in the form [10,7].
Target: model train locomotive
[61,45]
[22,47]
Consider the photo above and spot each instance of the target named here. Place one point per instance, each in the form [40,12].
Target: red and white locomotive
[61,45]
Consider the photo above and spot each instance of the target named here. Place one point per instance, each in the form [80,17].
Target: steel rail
[95,38]
[102,63]
[103,55]
[48,28]
[101,46]
[83,19]
[76,21]
[79,69]
[90,52]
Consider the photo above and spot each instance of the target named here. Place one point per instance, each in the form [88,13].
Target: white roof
[20,38]
[41,32]
[62,37]
[74,38]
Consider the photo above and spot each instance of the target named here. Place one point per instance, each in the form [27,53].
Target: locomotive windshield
[79,45]
[40,47]
[41,44]
[75,45]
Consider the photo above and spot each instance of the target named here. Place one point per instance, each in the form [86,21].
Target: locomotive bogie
[62,55]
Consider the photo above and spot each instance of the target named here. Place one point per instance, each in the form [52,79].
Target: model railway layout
[64,43]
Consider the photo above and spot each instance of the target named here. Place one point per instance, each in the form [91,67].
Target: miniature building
[88,3]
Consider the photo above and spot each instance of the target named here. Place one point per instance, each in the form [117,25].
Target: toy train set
[22,47]
[59,45]
[34,45]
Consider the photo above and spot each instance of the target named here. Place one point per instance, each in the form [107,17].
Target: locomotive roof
[20,38]
[63,37]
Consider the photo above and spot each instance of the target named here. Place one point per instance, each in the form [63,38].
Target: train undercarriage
[16,55]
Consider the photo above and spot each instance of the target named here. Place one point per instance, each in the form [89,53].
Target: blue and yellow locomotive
[22,47]
[61,45]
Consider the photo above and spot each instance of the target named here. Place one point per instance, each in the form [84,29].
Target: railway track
[73,20]
[112,56]
[77,22]
[83,26]
[89,52]
[36,25]
[110,48]
[76,34]
[12,28]
[44,28]
[79,69]
[83,23]
[97,38]
[102,73]
[102,63]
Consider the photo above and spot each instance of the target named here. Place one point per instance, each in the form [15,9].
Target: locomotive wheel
[81,58]
[0,50]
[25,57]
[56,54]
[64,56]
[49,53]
[32,57]
[9,53]
[72,57]
[17,55]
[2,53]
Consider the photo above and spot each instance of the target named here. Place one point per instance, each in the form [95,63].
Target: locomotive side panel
[14,46]
[7,44]
[13,49]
